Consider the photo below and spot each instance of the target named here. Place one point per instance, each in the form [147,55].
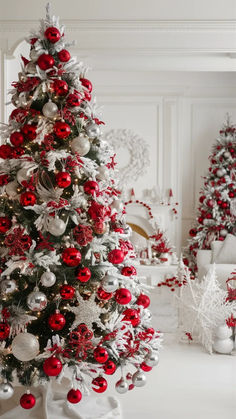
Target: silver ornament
[80,145]
[152,359]
[48,279]
[122,386]
[23,101]
[103,173]
[25,347]
[11,189]
[92,130]
[34,54]
[56,226]
[36,300]
[223,232]
[50,109]
[8,286]
[227,154]
[6,391]
[139,379]
[117,205]
[110,283]
[15,100]
[219,173]
[31,67]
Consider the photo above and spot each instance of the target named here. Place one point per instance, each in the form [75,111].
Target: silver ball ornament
[92,130]
[34,54]
[15,100]
[48,279]
[139,379]
[56,226]
[122,386]
[8,286]
[23,101]
[103,173]
[31,67]
[36,301]
[6,391]
[223,232]
[25,347]
[227,154]
[50,109]
[110,283]
[80,145]
[152,359]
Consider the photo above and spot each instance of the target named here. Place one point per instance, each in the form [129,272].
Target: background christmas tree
[70,297]
[215,217]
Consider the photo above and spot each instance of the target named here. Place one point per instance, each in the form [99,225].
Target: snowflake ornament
[88,312]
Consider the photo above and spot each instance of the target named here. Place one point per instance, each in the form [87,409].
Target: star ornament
[87,312]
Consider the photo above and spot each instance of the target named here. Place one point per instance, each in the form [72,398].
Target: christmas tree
[216,217]
[70,296]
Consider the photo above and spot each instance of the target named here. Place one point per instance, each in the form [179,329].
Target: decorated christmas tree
[71,301]
[216,214]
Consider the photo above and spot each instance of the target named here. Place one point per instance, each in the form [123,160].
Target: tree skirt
[53,405]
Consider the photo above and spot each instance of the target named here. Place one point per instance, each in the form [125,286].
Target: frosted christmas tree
[216,213]
[71,301]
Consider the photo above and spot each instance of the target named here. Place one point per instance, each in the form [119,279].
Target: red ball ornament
[45,61]
[74,396]
[5,224]
[52,35]
[28,199]
[87,96]
[143,300]
[99,384]
[123,296]
[192,232]
[91,187]
[224,205]
[16,138]
[202,198]
[4,180]
[29,131]
[60,87]
[63,55]
[119,230]
[231,194]
[52,366]
[27,401]
[73,100]
[103,295]
[5,151]
[63,179]
[83,274]
[109,367]
[100,355]
[210,203]
[4,331]
[116,256]
[57,321]
[145,367]
[128,271]
[62,130]
[87,84]
[200,220]
[71,256]
[67,292]
[131,315]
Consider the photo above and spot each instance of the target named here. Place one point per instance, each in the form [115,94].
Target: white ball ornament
[50,109]
[36,300]
[227,154]
[117,205]
[139,379]
[8,286]
[25,347]
[223,232]
[220,173]
[122,386]
[80,145]
[103,173]
[110,283]
[223,346]
[6,391]
[56,226]
[152,359]
[223,332]
[48,279]
[92,130]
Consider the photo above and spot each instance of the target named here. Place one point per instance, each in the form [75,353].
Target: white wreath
[138,152]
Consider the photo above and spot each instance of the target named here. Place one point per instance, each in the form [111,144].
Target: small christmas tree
[70,297]
[216,216]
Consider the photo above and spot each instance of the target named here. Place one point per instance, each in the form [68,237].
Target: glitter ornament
[99,227]
[100,355]
[128,271]
[50,110]
[6,391]
[71,256]
[5,151]
[109,367]
[87,84]
[67,292]
[52,366]
[17,138]
[80,145]
[48,279]
[61,130]
[63,55]
[28,199]
[103,295]
[4,330]
[52,35]
[29,131]
[143,300]
[131,315]
[92,130]
[83,274]
[99,384]
[152,359]
[122,386]
[116,256]
[91,187]
[56,321]
[63,179]
[25,347]
[74,396]
[60,87]
[56,226]
[102,173]
[110,283]
[123,296]
[45,61]
[83,234]
[138,379]
[5,224]
[8,286]
[27,401]
[36,300]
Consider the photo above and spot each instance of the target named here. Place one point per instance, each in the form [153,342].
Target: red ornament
[109,367]
[45,61]
[231,194]
[99,227]
[103,295]
[18,242]
[128,271]
[29,131]
[143,300]
[200,220]
[74,396]
[131,315]
[210,203]
[5,224]
[73,100]
[83,274]
[52,35]
[16,138]
[224,205]
[67,292]
[4,331]
[123,296]
[98,211]
[28,199]
[87,84]
[17,152]
[27,401]
[202,198]
[91,187]
[5,151]
[116,256]
[4,180]
[63,179]
[99,384]
[52,366]
[60,87]
[145,367]
[192,232]
[87,96]
[57,321]
[83,234]
[63,55]
[61,129]
[100,355]
[119,230]
[71,256]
